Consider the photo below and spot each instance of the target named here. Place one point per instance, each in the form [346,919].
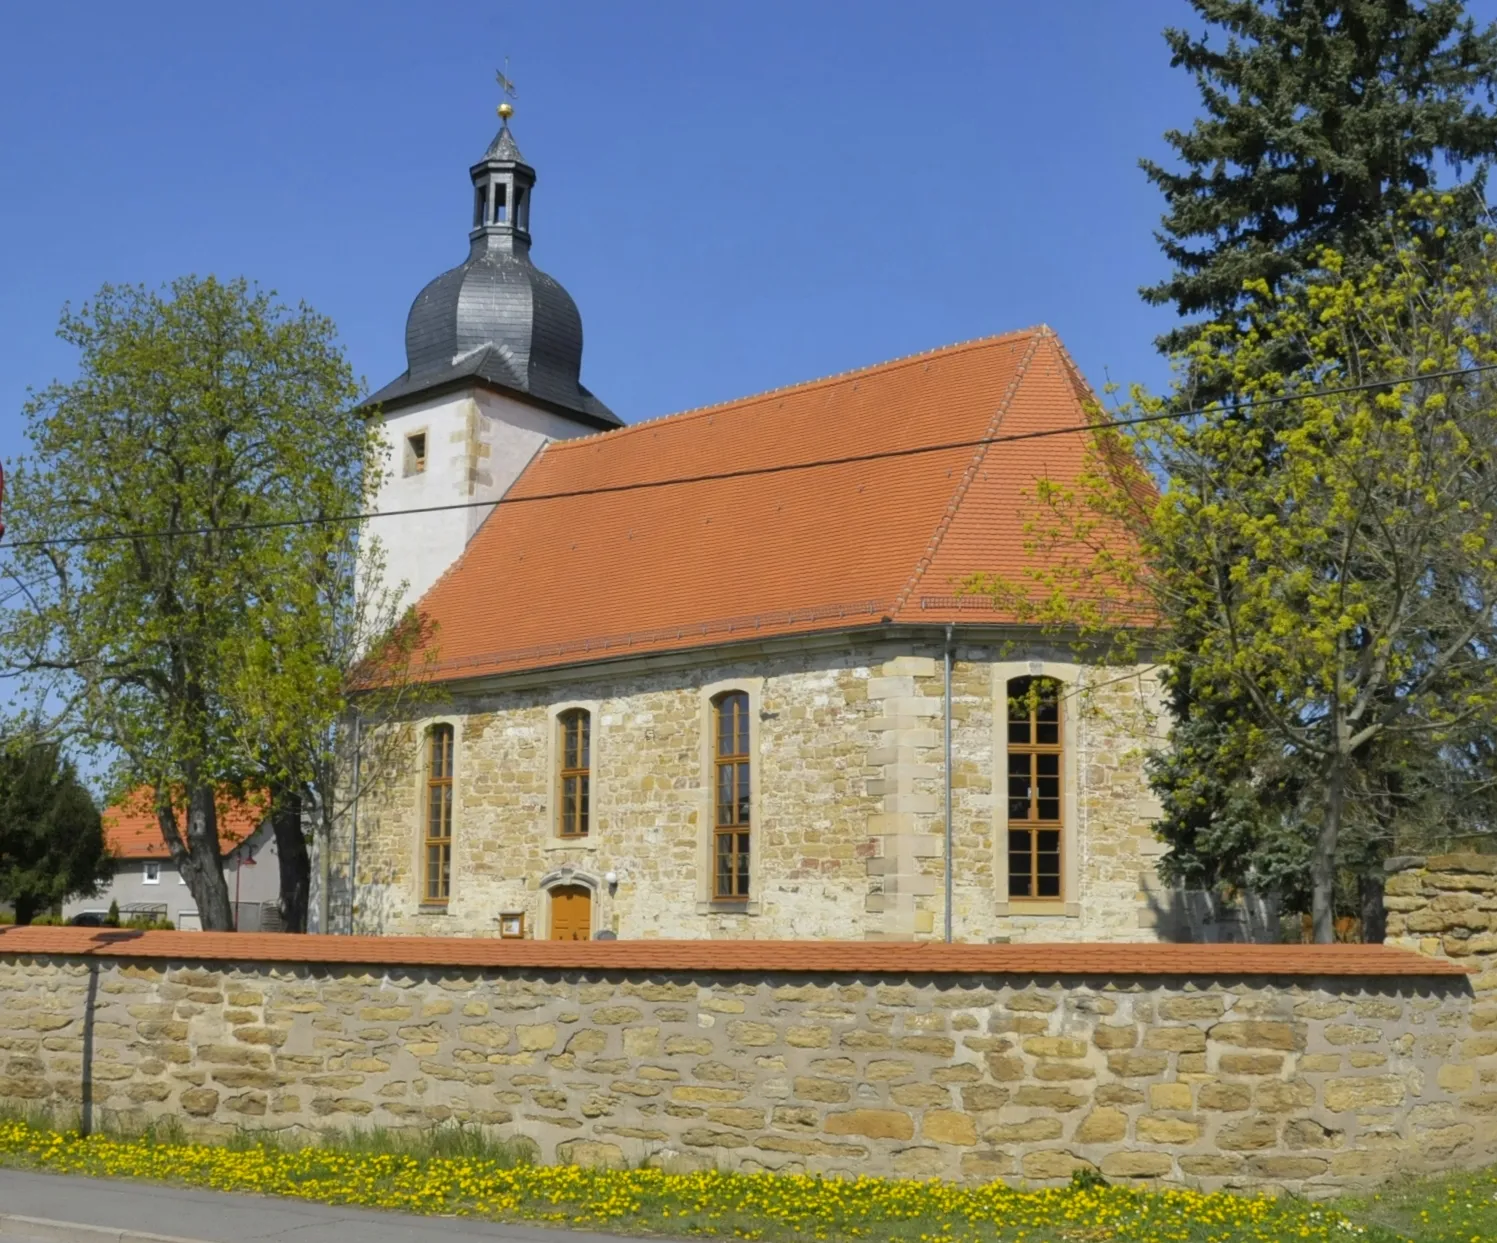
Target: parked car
[89,919]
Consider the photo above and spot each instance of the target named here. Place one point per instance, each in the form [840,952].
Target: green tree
[1324,580]
[338,643]
[51,834]
[1321,119]
[215,414]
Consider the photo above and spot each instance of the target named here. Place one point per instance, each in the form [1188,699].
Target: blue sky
[738,195]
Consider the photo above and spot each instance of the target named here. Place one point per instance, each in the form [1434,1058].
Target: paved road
[216,1217]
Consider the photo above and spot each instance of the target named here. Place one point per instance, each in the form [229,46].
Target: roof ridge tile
[693,412]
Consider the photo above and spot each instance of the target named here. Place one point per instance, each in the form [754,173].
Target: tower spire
[502,183]
[496,321]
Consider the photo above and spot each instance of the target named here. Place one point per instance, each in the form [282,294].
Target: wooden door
[571,913]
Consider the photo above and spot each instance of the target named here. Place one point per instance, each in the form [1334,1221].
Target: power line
[747,471]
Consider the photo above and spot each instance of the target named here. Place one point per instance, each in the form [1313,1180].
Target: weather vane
[506,109]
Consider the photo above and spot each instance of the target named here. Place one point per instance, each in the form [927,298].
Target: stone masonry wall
[1446,906]
[1314,1084]
[848,816]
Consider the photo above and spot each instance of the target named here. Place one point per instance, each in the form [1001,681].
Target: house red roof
[924,957]
[131,830]
[612,544]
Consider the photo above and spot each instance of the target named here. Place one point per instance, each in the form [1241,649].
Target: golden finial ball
[506,110]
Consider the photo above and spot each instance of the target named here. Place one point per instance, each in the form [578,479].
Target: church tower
[493,358]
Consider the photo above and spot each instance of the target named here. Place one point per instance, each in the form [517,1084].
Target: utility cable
[750,471]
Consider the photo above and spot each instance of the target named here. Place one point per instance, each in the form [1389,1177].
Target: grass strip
[461,1172]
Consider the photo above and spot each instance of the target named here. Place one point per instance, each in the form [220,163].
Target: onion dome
[497,320]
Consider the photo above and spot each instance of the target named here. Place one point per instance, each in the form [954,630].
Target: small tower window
[522,209]
[479,203]
[500,203]
[415,453]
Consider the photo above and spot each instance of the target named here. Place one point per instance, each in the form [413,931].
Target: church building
[713,674]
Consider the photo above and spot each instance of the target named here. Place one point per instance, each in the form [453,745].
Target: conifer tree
[51,835]
[1320,119]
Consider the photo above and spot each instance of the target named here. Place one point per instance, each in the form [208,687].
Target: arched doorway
[571,913]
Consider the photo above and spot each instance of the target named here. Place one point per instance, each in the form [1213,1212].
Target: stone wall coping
[802,957]
[1467,861]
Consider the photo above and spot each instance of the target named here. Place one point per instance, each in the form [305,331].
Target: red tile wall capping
[862,543]
[818,957]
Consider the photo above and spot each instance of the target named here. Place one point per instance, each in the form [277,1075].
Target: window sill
[432,908]
[571,843]
[1042,906]
[718,907]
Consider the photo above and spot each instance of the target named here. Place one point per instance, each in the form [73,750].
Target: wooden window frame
[436,814]
[579,824]
[1033,824]
[738,831]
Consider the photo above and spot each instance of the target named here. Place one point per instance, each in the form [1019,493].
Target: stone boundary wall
[1445,906]
[1194,1068]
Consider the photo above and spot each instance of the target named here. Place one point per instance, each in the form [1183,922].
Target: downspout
[324,840]
[353,832]
[946,768]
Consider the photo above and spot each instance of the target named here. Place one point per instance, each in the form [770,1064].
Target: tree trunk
[1323,857]
[25,911]
[203,867]
[295,862]
[1374,917]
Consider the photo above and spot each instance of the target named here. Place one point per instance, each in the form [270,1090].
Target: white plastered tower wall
[476,443]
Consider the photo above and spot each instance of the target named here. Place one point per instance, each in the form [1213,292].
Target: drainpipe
[323,839]
[947,769]
[353,833]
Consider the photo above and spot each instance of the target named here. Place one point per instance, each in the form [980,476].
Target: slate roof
[131,830]
[496,319]
[707,956]
[504,147]
[605,545]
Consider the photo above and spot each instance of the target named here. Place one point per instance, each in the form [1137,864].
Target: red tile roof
[588,572]
[1106,959]
[131,830]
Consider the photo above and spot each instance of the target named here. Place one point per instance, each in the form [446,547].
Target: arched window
[731,797]
[437,856]
[574,779]
[1035,824]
